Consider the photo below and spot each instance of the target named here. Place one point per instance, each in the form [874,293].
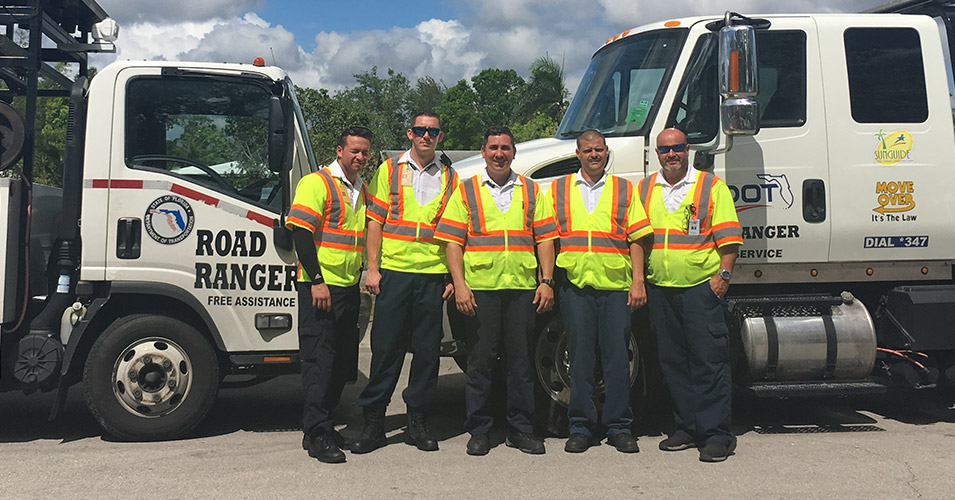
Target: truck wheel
[552,370]
[150,377]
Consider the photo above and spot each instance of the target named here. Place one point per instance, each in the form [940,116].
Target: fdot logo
[169,219]
[774,191]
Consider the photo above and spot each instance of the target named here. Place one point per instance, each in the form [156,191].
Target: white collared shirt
[425,182]
[673,195]
[353,189]
[590,193]
[501,195]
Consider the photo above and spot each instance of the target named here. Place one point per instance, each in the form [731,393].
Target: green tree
[540,125]
[384,102]
[492,98]
[426,95]
[545,92]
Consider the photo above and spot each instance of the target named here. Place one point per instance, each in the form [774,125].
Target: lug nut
[133,375]
[172,384]
[138,394]
[156,398]
[147,359]
[166,364]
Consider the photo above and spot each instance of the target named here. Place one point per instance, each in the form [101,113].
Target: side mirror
[278,134]
[739,112]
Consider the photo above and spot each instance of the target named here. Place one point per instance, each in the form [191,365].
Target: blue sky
[322,43]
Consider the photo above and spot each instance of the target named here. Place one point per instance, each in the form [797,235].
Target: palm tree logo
[881,137]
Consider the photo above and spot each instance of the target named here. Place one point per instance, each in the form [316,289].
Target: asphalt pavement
[874,447]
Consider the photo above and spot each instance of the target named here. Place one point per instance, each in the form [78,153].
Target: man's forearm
[373,244]
[306,251]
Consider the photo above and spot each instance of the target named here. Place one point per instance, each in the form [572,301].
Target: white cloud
[446,50]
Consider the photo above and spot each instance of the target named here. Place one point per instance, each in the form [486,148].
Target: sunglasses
[676,148]
[420,131]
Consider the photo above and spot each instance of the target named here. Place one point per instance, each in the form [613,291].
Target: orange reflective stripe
[646,191]
[334,214]
[472,198]
[451,178]
[530,201]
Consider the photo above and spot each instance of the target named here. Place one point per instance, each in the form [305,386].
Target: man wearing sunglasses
[327,219]
[696,238]
[407,270]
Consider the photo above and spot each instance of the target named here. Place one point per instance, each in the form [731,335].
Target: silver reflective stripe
[706,184]
[342,239]
[645,186]
[471,195]
[530,195]
[686,239]
[561,209]
[594,241]
[448,188]
[402,230]
[377,210]
[622,201]
[727,232]
[305,217]
[452,230]
[395,187]
[334,202]
[544,229]
[499,241]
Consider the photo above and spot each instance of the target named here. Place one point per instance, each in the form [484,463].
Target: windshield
[620,91]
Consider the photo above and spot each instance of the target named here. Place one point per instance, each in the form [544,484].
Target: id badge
[406,176]
[693,227]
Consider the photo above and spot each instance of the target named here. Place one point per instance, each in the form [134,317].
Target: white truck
[835,137]
[161,266]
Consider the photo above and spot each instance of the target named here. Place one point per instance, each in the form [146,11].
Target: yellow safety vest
[407,242]
[338,229]
[594,247]
[498,247]
[680,259]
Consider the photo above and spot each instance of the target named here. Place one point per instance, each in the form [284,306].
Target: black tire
[552,376]
[150,377]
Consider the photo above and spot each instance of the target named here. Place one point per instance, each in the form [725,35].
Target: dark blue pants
[693,344]
[502,317]
[408,316]
[597,319]
[328,349]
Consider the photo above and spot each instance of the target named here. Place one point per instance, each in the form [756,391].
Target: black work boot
[418,433]
[323,448]
[372,432]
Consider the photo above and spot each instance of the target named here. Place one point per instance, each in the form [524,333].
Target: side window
[782,86]
[782,78]
[558,169]
[211,132]
[697,111]
[873,97]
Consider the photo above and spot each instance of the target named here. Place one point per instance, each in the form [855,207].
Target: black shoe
[323,448]
[372,432]
[340,440]
[418,433]
[714,451]
[680,440]
[578,443]
[479,444]
[526,442]
[624,442]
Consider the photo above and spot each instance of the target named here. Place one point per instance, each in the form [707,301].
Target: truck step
[822,388]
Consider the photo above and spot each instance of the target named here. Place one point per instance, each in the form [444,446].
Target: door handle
[813,200]
[128,236]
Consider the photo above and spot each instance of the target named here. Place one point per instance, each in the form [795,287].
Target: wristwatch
[549,282]
[726,275]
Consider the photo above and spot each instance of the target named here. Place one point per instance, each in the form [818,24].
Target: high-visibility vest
[679,259]
[594,247]
[338,229]
[407,239]
[498,247]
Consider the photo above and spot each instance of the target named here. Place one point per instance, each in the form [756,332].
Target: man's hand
[373,280]
[719,285]
[464,300]
[448,292]
[637,296]
[321,297]
[544,298]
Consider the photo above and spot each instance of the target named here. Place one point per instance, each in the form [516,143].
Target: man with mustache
[327,219]
[695,242]
[491,226]
[601,224]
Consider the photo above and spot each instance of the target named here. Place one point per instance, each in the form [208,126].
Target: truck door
[192,202]
[890,141]
[769,174]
